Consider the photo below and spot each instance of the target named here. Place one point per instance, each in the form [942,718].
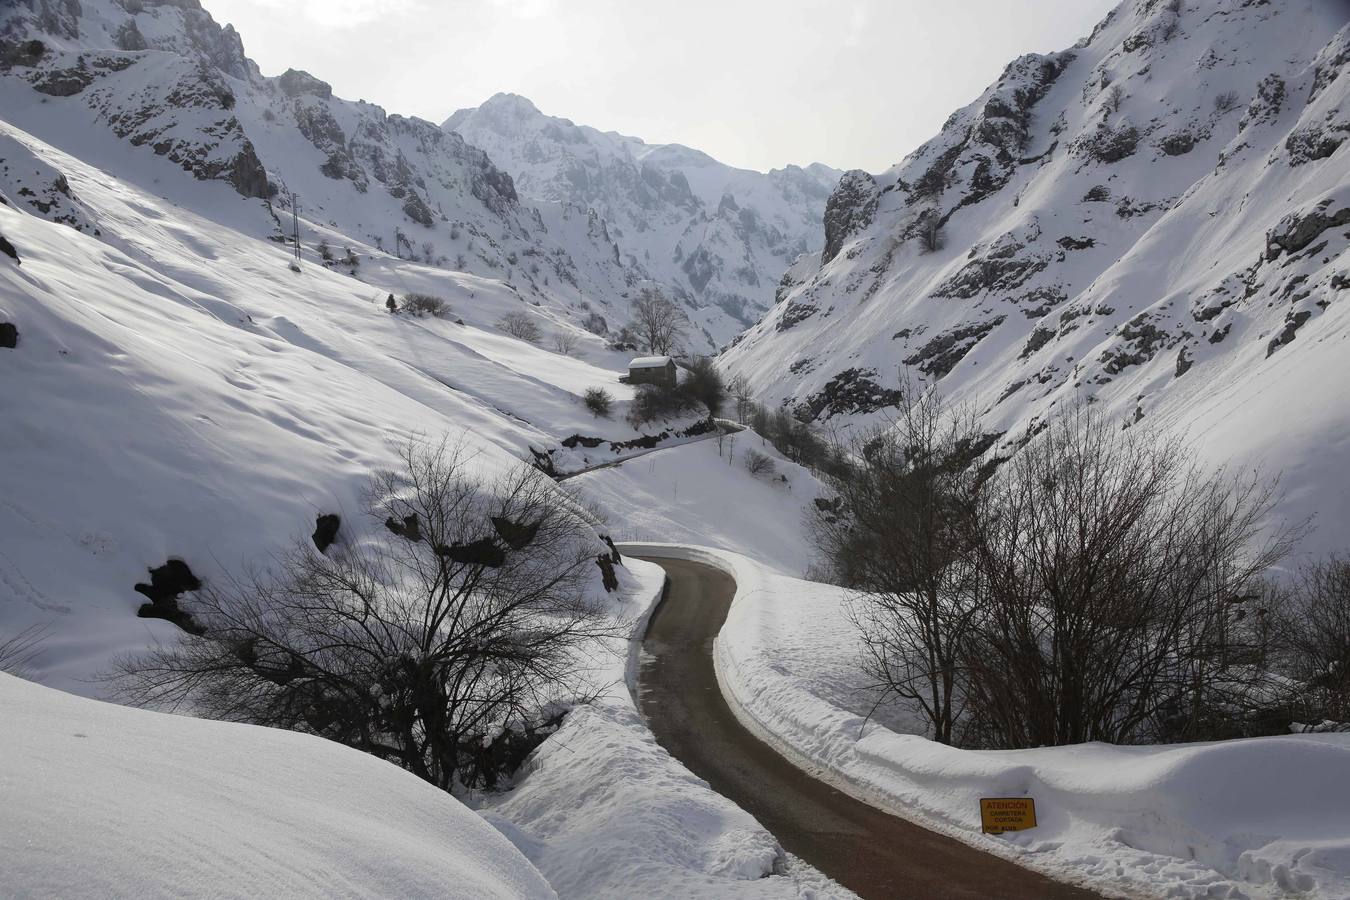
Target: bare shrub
[441,647]
[654,401]
[1226,102]
[19,650]
[565,342]
[757,463]
[598,401]
[660,325]
[520,325]
[425,305]
[595,324]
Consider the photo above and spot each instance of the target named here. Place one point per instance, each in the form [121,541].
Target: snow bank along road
[861,847]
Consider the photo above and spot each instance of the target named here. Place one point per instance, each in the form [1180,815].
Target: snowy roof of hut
[650,362]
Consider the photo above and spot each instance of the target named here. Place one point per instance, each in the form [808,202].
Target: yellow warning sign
[1000,814]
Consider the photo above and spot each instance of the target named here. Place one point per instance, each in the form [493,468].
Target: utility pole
[295,224]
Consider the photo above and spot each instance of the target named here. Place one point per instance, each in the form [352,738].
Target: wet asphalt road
[868,851]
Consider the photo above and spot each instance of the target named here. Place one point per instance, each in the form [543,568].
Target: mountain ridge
[1150,221]
[718,236]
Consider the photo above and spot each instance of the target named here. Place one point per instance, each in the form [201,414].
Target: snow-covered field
[702,494]
[1260,817]
[98,800]
[178,391]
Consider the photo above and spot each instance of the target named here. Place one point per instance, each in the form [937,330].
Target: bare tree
[565,342]
[425,305]
[520,325]
[598,401]
[428,252]
[1313,619]
[895,535]
[1108,565]
[1111,98]
[438,647]
[1227,101]
[739,388]
[659,323]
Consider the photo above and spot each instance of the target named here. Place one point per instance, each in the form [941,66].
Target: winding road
[872,853]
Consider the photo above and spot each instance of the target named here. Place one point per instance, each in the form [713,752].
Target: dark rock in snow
[21,53]
[849,210]
[1184,362]
[408,528]
[325,530]
[517,535]
[1292,323]
[167,583]
[9,335]
[482,552]
[1294,231]
[8,249]
[607,573]
[852,391]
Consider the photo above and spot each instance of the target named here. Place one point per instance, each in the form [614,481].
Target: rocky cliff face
[1153,220]
[716,237]
[165,78]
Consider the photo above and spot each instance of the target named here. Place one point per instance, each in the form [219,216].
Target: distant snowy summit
[167,80]
[717,236]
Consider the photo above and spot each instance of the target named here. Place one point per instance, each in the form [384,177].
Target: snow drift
[101,800]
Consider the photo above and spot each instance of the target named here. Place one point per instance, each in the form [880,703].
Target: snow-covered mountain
[1154,220]
[719,238]
[165,78]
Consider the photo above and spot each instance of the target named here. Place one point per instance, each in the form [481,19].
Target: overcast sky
[755,83]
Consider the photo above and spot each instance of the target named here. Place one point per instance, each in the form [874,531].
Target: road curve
[868,851]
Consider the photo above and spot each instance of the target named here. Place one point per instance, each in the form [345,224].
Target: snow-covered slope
[719,238]
[104,801]
[165,78]
[177,391]
[1155,219]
